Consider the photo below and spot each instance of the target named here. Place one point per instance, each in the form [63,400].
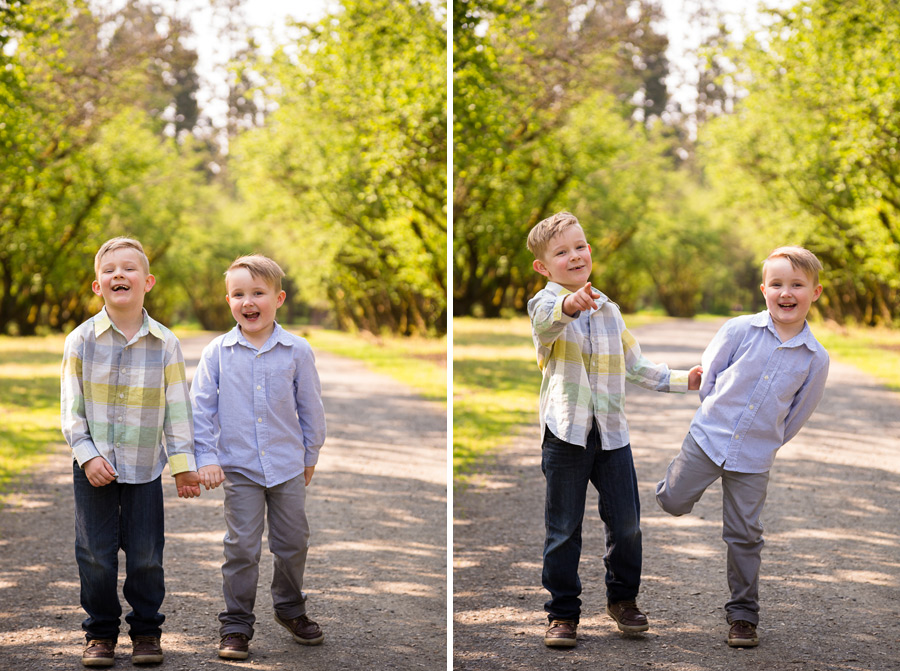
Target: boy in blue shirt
[258,426]
[763,376]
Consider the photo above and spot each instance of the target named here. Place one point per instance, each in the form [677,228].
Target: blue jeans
[568,468]
[108,518]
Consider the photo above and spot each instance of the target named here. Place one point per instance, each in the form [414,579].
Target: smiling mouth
[787,306]
[251,316]
[120,287]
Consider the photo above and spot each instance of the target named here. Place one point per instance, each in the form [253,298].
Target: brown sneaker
[561,634]
[304,630]
[146,650]
[628,616]
[99,652]
[742,635]
[234,646]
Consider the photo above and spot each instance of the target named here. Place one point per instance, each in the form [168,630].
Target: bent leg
[687,477]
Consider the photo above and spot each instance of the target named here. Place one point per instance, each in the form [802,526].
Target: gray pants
[247,504]
[743,498]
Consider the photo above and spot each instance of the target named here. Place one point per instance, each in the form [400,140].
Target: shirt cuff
[558,314]
[84,452]
[181,463]
[678,381]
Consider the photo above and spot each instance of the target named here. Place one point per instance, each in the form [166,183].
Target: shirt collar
[805,337]
[279,336]
[559,290]
[103,323]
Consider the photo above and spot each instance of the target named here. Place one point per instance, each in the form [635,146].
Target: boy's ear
[539,267]
[817,293]
[149,284]
[95,287]
[279,301]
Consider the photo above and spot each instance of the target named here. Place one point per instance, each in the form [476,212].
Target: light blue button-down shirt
[757,392]
[258,412]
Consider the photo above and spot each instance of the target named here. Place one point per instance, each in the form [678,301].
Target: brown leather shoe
[146,650]
[99,652]
[561,634]
[304,630]
[628,616]
[742,635]
[234,646]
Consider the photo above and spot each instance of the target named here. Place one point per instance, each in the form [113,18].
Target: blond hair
[544,231]
[259,266]
[800,258]
[113,244]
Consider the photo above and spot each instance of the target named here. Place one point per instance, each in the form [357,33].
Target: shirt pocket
[281,389]
[788,383]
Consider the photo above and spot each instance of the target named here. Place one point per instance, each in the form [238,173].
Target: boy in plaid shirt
[586,354]
[125,412]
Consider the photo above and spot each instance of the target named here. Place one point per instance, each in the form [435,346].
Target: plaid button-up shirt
[586,360]
[119,399]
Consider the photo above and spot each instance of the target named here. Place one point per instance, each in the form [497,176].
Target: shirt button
[258,387]
[736,436]
[751,407]
[264,453]
[121,395]
[259,419]
[119,418]
[766,377]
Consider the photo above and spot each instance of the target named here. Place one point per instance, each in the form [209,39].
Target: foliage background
[332,160]
[790,137]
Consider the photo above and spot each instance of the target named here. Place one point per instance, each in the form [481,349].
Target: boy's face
[253,301]
[121,280]
[567,259]
[789,292]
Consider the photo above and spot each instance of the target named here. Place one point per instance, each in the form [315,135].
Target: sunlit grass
[873,351]
[29,403]
[495,384]
[496,380]
[420,363]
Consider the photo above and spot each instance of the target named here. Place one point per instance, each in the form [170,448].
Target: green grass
[420,363]
[495,384]
[29,403]
[496,380]
[29,385]
[873,351]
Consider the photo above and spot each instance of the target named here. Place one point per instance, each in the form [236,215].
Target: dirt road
[376,574]
[830,582]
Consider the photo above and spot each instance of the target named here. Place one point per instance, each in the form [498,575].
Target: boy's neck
[128,322]
[786,332]
[259,338]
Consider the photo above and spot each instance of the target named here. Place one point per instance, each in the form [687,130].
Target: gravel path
[830,580]
[377,563]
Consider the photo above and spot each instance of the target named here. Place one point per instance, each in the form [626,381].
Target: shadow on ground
[830,586]
[377,563]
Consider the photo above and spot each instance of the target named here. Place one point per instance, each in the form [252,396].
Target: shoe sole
[560,642]
[94,661]
[233,654]
[300,640]
[628,628]
[147,659]
[742,642]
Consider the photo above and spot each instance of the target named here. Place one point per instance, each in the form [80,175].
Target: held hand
[99,471]
[694,375]
[583,299]
[308,473]
[188,484]
[211,476]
